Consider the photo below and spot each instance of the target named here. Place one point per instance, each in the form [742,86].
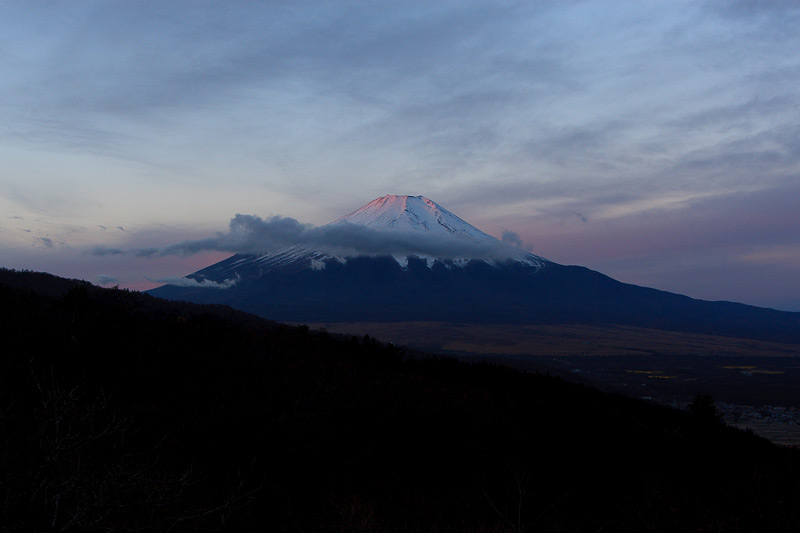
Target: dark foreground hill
[120,412]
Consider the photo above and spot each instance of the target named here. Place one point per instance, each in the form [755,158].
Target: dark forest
[120,411]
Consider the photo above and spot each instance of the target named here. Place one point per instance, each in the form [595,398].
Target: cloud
[511,238]
[46,242]
[411,74]
[103,279]
[749,8]
[250,234]
[101,251]
[771,255]
[202,283]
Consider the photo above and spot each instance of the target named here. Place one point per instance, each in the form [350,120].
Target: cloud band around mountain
[250,234]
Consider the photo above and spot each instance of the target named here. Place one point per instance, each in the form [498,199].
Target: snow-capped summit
[415,213]
[418,226]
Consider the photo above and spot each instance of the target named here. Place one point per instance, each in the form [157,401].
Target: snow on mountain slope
[390,220]
[412,213]
[417,214]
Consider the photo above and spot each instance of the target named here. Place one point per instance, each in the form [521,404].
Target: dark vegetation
[123,412]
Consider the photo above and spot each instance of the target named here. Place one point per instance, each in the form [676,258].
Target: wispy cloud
[198,283]
[101,251]
[771,255]
[511,238]
[104,279]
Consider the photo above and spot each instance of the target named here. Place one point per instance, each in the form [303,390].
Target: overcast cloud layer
[657,142]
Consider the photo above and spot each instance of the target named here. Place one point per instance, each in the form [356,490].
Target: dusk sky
[656,142]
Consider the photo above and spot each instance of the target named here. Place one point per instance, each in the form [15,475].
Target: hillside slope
[121,411]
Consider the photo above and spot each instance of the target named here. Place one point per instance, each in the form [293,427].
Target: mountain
[400,227]
[414,260]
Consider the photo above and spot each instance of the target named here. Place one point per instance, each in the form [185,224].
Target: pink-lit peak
[415,213]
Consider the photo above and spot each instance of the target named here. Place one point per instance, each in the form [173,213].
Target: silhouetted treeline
[120,411]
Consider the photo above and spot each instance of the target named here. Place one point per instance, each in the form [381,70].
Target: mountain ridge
[303,285]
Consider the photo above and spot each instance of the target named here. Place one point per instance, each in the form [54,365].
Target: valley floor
[781,425]
[558,340]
